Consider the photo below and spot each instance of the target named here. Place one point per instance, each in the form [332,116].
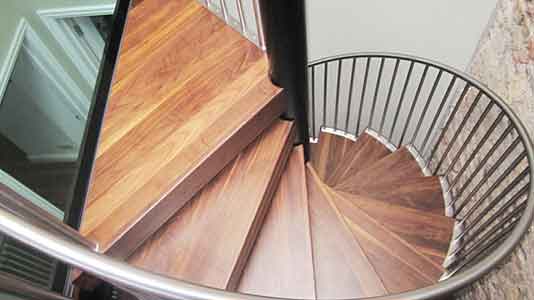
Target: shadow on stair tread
[342,270]
[388,247]
[429,233]
[209,240]
[281,262]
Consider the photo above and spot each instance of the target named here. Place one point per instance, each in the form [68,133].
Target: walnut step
[281,263]
[399,165]
[421,193]
[368,151]
[342,270]
[335,157]
[209,240]
[400,265]
[430,234]
[190,94]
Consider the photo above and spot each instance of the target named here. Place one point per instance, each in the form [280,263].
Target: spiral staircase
[415,182]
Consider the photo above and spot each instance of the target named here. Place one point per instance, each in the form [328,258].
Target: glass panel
[50,56]
[51,53]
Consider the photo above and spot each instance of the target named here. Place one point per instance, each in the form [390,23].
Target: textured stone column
[505,62]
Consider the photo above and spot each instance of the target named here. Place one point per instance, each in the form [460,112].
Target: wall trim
[29,194]
[43,57]
[11,58]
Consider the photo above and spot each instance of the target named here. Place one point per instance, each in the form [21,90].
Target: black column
[284,25]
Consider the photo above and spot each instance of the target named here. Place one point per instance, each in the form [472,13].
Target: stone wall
[505,62]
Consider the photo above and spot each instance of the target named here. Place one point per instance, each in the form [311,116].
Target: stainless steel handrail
[156,286]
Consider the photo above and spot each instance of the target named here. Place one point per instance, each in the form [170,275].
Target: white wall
[447,31]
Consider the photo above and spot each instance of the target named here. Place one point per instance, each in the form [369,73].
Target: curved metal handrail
[145,283]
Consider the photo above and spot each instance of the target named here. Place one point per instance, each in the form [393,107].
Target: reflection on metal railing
[457,127]
[242,15]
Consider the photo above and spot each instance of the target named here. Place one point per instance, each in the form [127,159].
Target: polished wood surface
[421,193]
[397,166]
[190,94]
[397,178]
[281,263]
[335,157]
[209,240]
[400,265]
[342,270]
[326,155]
[365,152]
[430,234]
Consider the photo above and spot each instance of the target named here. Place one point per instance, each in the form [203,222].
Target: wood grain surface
[342,270]
[281,263]
[189,95]
[209,240]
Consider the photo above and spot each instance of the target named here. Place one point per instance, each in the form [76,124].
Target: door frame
[66,37]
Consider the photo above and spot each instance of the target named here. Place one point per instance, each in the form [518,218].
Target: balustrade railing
[456,127]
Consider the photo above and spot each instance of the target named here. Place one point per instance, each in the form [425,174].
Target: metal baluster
[492,169]
[414,103]
[494,216]
[351,88]
[224,10]
[259,27]
[449,121]
[241,15]
[388,99]
[477,149]
[362,101]
[458,130]
[427,105]
[495,184]
[469,138]
[339,68]
[377,89]
[401,100]
[313,101]
[325,92]
[438,113]
[485,243]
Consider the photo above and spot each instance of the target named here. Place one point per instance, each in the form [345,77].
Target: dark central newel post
[284,25]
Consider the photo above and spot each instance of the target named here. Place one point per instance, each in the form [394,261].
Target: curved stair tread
[326,154]
[429,233]
[388,250]
[209,240]
[281,262]
[421,193]
[399,165]
[366,151]
[342,270]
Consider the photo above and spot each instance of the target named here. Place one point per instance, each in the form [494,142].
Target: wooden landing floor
[189,94]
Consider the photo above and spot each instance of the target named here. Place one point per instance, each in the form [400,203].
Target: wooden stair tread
[342,270]
[400,265]
[281,263]
[421,193]
[189,95]
[430,234]
[368,151]
[209,240]
[399,165]
[326,155]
